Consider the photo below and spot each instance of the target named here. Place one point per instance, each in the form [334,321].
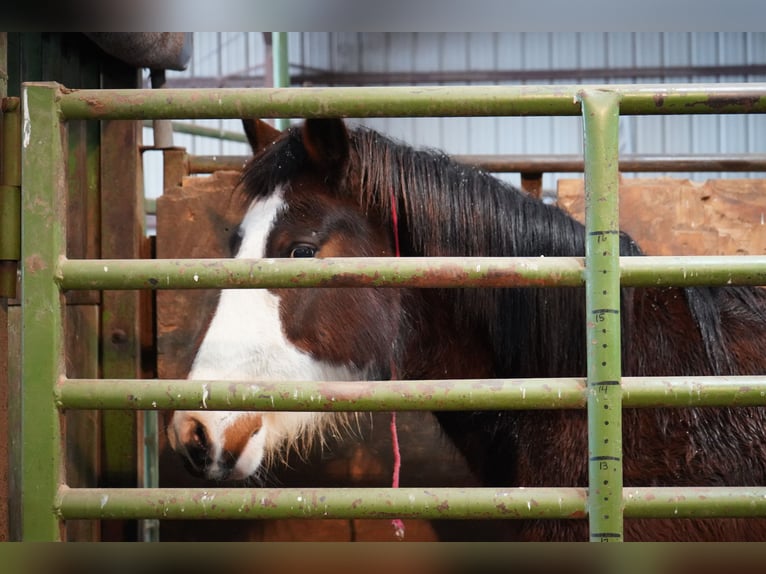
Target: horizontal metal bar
[203,131]
[211,163]
[320,77]
[337,272]
[689,271]
[518,163]
[393,101]
[695,502]
[401,272]
[426,503]
[339,396]
[463,394]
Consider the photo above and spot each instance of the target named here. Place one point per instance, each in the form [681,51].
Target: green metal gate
[47,273]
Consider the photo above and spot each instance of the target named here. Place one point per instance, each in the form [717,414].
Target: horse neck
[695,331]
[517,332]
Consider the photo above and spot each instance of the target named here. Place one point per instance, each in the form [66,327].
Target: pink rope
[397,523]
[395,223]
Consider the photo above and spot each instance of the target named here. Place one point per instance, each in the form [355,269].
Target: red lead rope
[396,522]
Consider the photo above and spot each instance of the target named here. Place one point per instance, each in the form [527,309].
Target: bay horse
[323,189]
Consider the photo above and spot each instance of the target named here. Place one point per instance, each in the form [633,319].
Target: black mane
[449,209]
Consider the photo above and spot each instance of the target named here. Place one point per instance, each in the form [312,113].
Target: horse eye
[303,251]
[235,241]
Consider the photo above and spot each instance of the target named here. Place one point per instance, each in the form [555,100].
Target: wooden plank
[79,68]
[669,216]
[82,427]
[14,421]
[5,430]
[122,219]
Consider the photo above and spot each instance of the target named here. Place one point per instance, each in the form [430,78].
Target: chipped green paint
[322,395]
[602,314]
[321,503]
[401,272]
[43,221]
[472,394]
[337,272]
[387,101]
[382,503]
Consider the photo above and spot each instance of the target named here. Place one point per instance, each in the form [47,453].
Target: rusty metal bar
[400,272]
[347,396]
[517,163]
[319,76]
[322,503]
[380,503]
[560,100]
[202,131]
[338,272]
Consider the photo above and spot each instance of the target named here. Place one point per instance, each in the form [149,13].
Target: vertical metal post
[281,70]
[42,342]
[600,112]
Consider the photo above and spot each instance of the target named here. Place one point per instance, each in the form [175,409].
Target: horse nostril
[198,447]
[199,436]
[228,461]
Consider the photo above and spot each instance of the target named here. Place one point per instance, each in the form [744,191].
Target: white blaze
[246,342]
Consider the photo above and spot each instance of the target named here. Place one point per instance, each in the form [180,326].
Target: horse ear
[326,142]
[259,134]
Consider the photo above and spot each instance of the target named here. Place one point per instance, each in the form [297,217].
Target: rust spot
[577,514]
[659,100]
[747,103]
[443,507]
[35,263]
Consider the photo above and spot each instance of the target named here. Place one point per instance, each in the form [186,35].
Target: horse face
[289,334]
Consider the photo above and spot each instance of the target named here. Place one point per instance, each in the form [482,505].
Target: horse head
[303,191]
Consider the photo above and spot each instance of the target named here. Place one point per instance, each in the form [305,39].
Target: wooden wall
[102,330]
[669,216]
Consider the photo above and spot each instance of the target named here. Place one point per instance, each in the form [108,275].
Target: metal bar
[211,163]
[281,69]
[401,272]
[321,503]
[557,100]
[318,77]
[203,131]
[656,271]
[695,502]
[347,396]
[43,224]
[627,163]
[339,272]
[602,310]
[381,503]
[517,163]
